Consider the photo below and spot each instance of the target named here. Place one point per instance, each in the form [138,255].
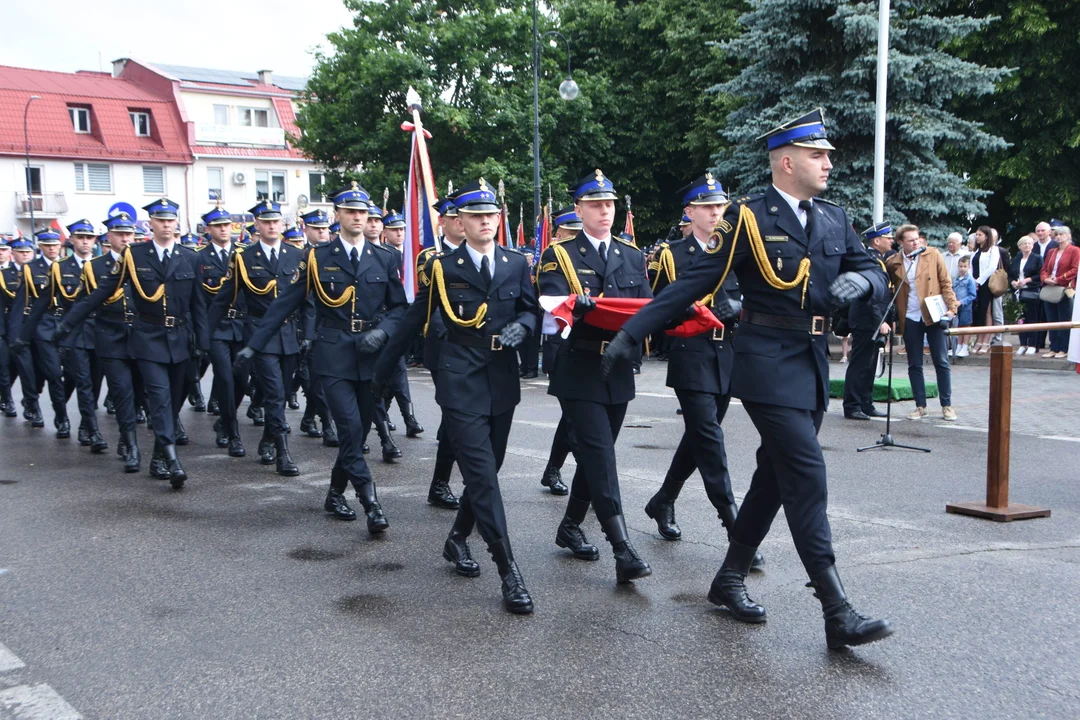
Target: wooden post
[997,505]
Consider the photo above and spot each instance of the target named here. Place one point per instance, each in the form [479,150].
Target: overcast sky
[246,35]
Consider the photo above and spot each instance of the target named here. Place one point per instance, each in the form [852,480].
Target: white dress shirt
[478,258]
[160,250]
[596,242]
[794,203]
[913,311]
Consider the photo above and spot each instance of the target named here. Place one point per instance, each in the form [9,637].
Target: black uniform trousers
[529,352]
[79,365]
[862,366]
[23,362]
[560,444]
[122,376]
[166,386]
[351,405]
[228,392]
[790,472]
[595,428]
[272,370]
[399,386]
[444,452]
[702,447]
[52,371]
[480,447]
[5,368]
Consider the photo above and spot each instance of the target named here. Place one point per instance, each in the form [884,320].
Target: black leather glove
[380,390]
[197,353]
[18,344]
[512,335]
[849,287]
[60,334]
[371,341]
[305,345]
[618,351]
[583,305]
[682,317]
[243,360]
[728,310]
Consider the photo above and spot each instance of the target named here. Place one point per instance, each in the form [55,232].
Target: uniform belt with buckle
[353,325]
[234,314]
[485,342]
[166,320]
[816,325]
[597,346]
[59,312]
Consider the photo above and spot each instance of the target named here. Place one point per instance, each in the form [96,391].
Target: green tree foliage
[1038,176]
[803,54]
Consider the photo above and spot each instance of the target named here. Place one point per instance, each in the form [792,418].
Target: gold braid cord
[58,285]
[567,267]
[241,268]
[324,298]
[129,266]
[665,264]
[4,287]
[761,256]
[91,284]
[28,280]
[440,285]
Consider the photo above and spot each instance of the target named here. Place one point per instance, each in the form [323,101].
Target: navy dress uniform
[563,219]
[359,299]
[38,288]
[7,297]
[197,368]
[225,334]
[257,275]
[21,357]
[439,492]
[112,343]
[314,398]
[168,317]
[794,259]
[864,319]
[593,405]
[486,297]
[699,371]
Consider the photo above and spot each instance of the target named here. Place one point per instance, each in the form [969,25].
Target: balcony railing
[45,204]
[239,135]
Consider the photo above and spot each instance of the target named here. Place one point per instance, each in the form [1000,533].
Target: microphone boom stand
[886,440]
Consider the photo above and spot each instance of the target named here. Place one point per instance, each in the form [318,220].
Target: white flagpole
[882,93]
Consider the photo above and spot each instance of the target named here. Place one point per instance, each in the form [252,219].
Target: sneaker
[1048,354]
[1021,350]
[1031,351]
[843,360]
[962,351]
[948,413]
[917,414]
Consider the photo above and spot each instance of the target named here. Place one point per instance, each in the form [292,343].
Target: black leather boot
[9,405]
[329,432]
[159,469]
[236,445]
[727,514]
[97,442]
[516,597]
[63,425]
[132,457]
[213,407]
[456,550]
[412,428]
[570,534]
[376,519]
[729,589]
[257,415]
[181,436]
[552,479]
[285,464]
[336,504]
[37,420]
[293,404]
[628,566]
[843,624]
[221,435]
[121,446]
[177,476]
[196,400]
[140,416]
[308,426]
[390,451]
[440,494]
[662,510]
[110,407]
[266,449]
[83,436]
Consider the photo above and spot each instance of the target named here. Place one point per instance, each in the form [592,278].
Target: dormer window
[80,119]
[140,119]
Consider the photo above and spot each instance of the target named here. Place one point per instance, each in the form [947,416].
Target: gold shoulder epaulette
[626,242]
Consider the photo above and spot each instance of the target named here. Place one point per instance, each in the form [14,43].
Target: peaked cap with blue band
[706,190]
[354,197]
[393,220]
[807,131]
[82,227]
[374,211]
[685,221]
[47,237]
[266,210]
[189,240]
[292,233]
[316,219]
[881,229]
[21,244]
[217,216]
[593,187]
[567,218]
[335,228]
[445,207]
[163,209]
[477,198]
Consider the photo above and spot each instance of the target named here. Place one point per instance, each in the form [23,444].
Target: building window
[153,180]
[93,177]
[316,180]
[35,180]
[215,183]
[270,184]
[141,121]
[254,117]
[221,114]
[80,119]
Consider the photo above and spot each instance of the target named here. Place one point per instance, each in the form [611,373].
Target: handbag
[998,283]
[1052,294]
[1028,294]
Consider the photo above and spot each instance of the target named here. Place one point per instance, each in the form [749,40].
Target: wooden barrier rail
[997,505]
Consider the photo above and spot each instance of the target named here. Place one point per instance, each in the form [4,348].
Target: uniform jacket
[576,373]
[9,285]
[789,368]
[249,276]
[212,272]
[164,329]
[436,331]
[866,314]
[326,273]
[471,379]
[63,288]
[112,325]
[703,362]
[931,278]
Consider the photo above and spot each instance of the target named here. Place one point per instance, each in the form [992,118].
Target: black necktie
[809,208]
[224,257]
[603,252]
[273,260]
[355,255]
[165,259]
[485,272]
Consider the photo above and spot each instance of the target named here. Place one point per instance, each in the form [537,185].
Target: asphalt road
[240,598]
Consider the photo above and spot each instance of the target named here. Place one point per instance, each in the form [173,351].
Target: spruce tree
[802,54]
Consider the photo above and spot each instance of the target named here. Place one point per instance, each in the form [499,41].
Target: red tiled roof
[112,136]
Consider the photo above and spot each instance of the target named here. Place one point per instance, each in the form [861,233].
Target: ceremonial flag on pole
[420,219]
[521,234]
[542,238]
[60,229]
[629,229]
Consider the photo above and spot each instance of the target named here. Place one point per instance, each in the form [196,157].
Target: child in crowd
[964,287]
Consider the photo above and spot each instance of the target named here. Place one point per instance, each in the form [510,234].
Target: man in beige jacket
[923,274]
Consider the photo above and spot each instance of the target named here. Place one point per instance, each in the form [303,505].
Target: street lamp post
[26,139]
[568,90]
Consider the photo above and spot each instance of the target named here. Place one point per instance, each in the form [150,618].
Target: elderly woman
[987,260]
[1025,281]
